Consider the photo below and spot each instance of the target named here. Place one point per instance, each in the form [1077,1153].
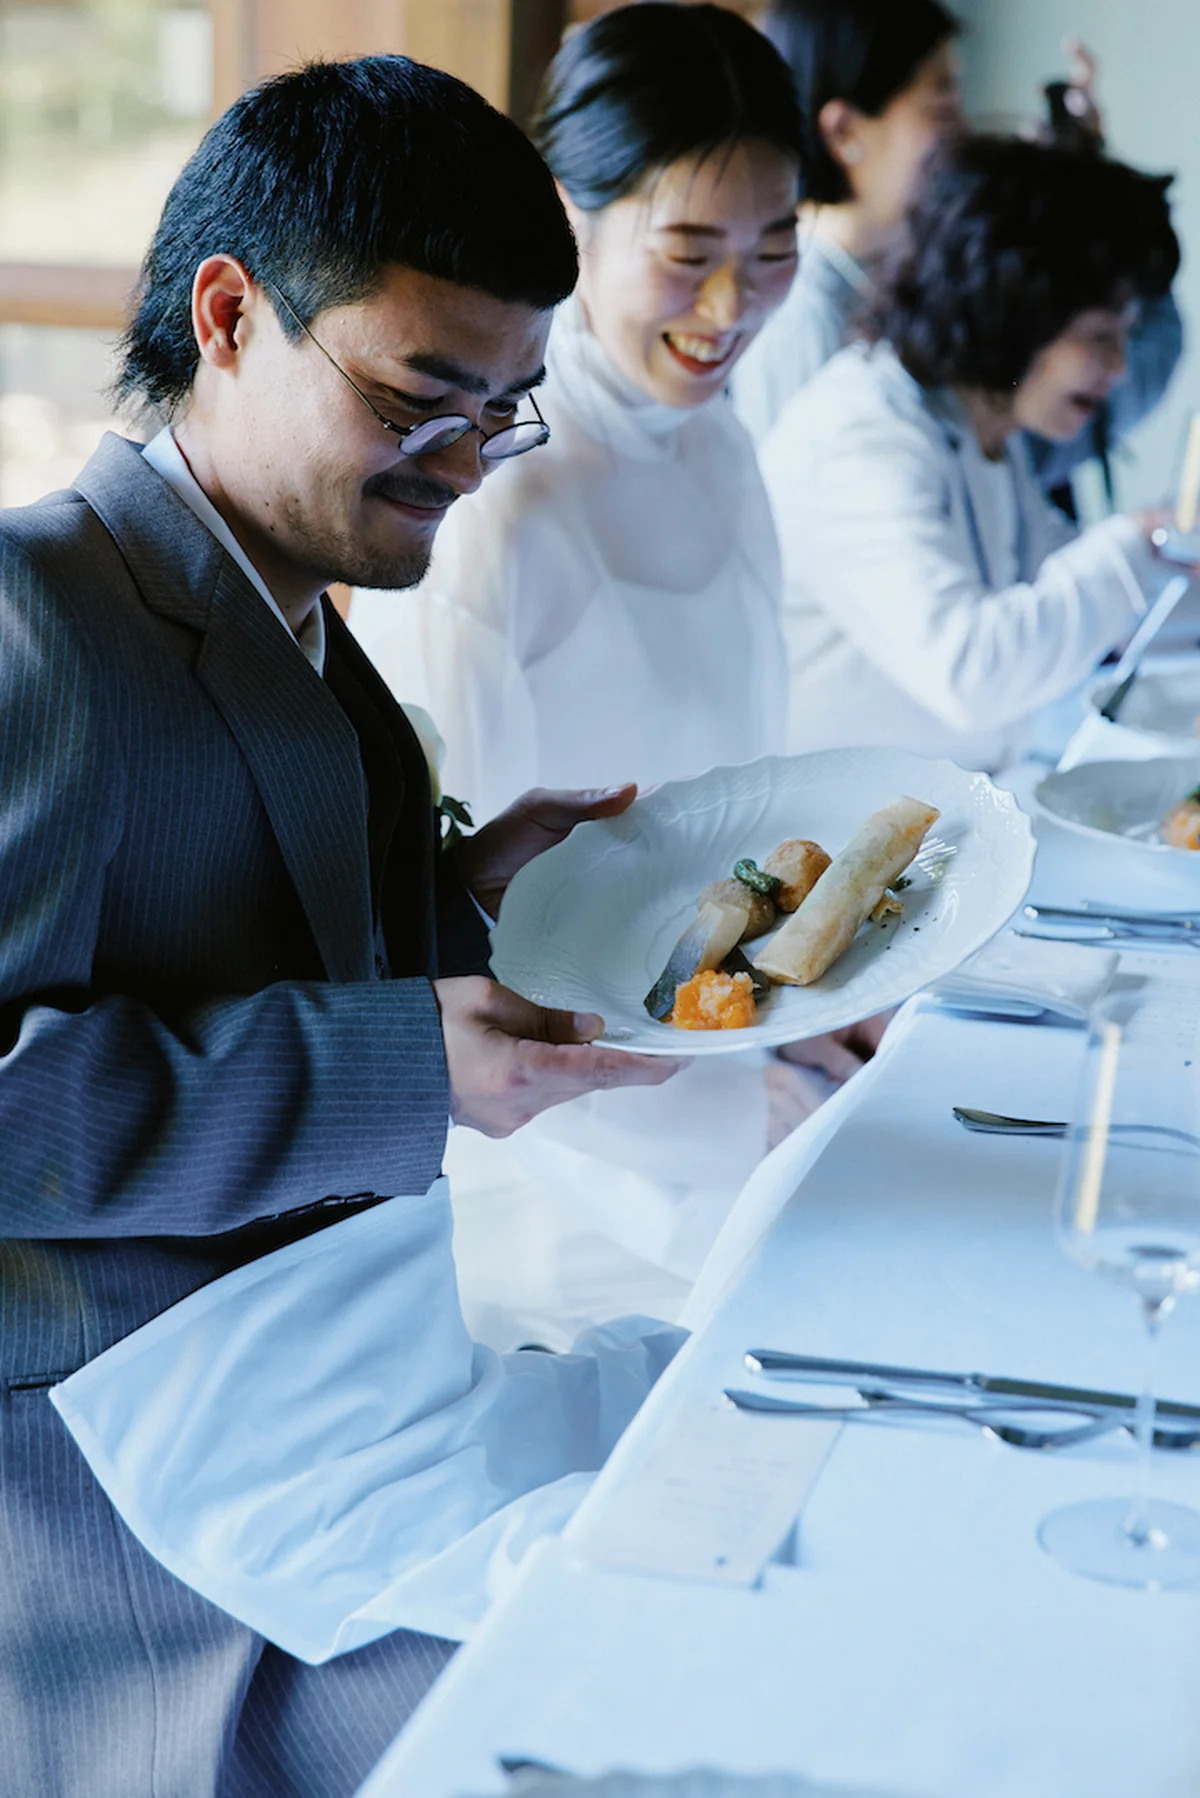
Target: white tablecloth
[921,1642]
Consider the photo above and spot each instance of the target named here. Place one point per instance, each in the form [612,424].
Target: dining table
[865,1604]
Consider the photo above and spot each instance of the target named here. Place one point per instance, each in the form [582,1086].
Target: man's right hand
[510,1059]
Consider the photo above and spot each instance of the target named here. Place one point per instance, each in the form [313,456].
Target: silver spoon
[994,1123]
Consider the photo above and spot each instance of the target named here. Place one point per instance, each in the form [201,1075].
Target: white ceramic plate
[1163,707]
[589,925]
[1121,799]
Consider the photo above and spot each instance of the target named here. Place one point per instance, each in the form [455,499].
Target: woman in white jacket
[879,87]
[934,599]
[607,609]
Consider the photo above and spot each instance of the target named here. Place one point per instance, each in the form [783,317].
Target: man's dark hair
[1007,242]
[863,51]
[320,179]
[644,86]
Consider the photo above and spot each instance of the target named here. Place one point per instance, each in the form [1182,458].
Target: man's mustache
[411,490]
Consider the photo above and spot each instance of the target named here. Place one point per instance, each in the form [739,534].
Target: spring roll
[846,894]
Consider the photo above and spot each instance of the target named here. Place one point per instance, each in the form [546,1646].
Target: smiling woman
[607,608]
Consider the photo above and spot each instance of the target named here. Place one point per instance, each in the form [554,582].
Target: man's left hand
[536,821]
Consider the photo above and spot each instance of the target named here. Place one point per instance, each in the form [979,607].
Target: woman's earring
[852,153]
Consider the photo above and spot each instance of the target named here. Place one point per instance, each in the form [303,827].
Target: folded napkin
[315,1444]
[1023,976]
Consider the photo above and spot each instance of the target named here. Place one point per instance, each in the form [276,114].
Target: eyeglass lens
[439,433]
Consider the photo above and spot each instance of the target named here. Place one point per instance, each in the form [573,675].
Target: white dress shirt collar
[166,458]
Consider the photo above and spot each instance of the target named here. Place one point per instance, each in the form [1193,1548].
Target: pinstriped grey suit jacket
[194,1032]
[208,857]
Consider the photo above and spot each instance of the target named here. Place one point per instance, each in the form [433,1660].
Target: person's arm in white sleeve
[868,534]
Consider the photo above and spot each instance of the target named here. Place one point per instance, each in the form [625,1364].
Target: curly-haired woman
[934,599]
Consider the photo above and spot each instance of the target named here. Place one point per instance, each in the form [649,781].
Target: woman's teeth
[699,349]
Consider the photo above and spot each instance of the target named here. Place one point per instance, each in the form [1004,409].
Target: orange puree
[714,1001]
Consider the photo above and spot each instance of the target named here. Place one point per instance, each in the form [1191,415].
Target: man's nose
[459,465]
[722,300]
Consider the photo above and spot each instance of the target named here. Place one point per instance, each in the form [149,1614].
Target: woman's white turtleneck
[604,609]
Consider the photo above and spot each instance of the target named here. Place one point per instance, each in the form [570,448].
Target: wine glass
[1128,1207]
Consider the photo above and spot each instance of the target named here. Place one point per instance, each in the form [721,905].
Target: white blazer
[933,599]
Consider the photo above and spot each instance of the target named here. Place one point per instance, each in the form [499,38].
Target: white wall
[1149,87]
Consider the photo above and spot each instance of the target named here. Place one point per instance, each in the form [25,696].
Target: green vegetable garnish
[899,885]
[752,876]
[1192,798]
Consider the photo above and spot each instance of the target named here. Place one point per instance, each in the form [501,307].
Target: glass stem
[1137,1522]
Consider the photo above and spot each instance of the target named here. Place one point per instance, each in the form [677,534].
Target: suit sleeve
[117,1119]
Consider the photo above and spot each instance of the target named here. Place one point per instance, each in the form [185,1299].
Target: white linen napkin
[1023,976]
[315,1444]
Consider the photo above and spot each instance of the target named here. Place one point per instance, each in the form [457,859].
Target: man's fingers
[565,1026]
[579,1067]
[559,810]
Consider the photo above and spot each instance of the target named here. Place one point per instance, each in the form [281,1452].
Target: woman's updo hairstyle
[644,86]
[865,52]
[1006,243]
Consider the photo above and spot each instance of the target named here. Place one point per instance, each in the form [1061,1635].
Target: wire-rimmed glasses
[435,434]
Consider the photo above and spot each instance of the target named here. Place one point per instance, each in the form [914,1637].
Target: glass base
[1091,1539]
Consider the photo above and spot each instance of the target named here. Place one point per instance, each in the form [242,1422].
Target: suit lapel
[303,753]
[301,748]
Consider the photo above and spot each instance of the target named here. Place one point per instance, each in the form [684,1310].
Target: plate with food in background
[1163,707]
[1153,805]
[759,904]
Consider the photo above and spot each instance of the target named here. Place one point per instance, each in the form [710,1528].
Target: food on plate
[759,907]
[708,984]
[712,933]
[1181,826]
[797,865]
[847,893]
[713,1000]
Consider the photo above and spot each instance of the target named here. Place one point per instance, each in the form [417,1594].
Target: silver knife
[1125,672]
[1097,914]
[778,1365]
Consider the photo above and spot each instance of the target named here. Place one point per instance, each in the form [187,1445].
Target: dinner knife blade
[1151,922]
[779,1365]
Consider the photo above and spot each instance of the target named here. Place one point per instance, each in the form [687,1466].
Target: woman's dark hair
[319,179]
[1006,243]
[644,86]
[863,51]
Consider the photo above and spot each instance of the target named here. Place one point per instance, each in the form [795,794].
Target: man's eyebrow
[467,380]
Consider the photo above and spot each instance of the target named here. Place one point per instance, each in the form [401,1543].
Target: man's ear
[839,124]
[222,293]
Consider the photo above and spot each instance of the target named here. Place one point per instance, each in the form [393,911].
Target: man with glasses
[242,987]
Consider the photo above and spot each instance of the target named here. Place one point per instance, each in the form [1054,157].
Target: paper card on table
[711,1496]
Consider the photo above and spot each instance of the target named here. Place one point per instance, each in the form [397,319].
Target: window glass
[101,102]
[53,406]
